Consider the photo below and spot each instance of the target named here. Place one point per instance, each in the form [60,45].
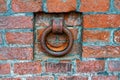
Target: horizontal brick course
[96,36]
[72,77]
[27,68]
[114,66]
[26,5]
[101,21]
[11,79]
[94,5]
[15,22]
[19,37]
[105,78]
[16,53]
[90,66]
[0,38]
[101,51]
[41,78]
[4,68]
[61,6]
[58,67]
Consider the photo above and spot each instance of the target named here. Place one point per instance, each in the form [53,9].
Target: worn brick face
[61,5]
[4,68]
[73,19]
[40,78]
[101,21]
[3,6]
[117,4]
[94,5]
[95,36]
[72,78]
[105,78]
[27,68]
[117,36]
[58,67]
[19,37]
[16,22]
[0,38]
[27,5]
[90,66]
[16,53]
[10,79]
[101,51]
[114,66]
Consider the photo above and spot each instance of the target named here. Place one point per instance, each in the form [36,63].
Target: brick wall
[97,31]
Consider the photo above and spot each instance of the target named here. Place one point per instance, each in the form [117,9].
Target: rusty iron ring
[52,52]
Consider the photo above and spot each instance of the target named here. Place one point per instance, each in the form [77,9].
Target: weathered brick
[3,6]
[95,36]
[117,36]
[72,78]
[61,5]
[70,19]
[114,66]
[27,5]
[94,5]
[73,19]
[90,66]
[101,51]
[27,68]
[101,21]
[41,78]
[15,22]
[117,4]
[4,68]
[58,67]
[0,38]
[10,79]
[16,53]
[104,78]
[19,37]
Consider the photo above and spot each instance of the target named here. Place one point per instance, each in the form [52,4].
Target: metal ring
[52,52]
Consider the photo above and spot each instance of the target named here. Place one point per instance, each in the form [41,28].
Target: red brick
[16,22]
[19,37]
[90,66]
[72,78]
[94,36]
[94,5]
[40,78]
[4,68]
[117,4]
[16,53]
[101,21]
[114,66]
[101,51]
[10,79]
[61,5]
[27,68]
[73,19]
[27,5]
[105,78]
[117,36]
[3,6]
[58,67]
[0,38]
